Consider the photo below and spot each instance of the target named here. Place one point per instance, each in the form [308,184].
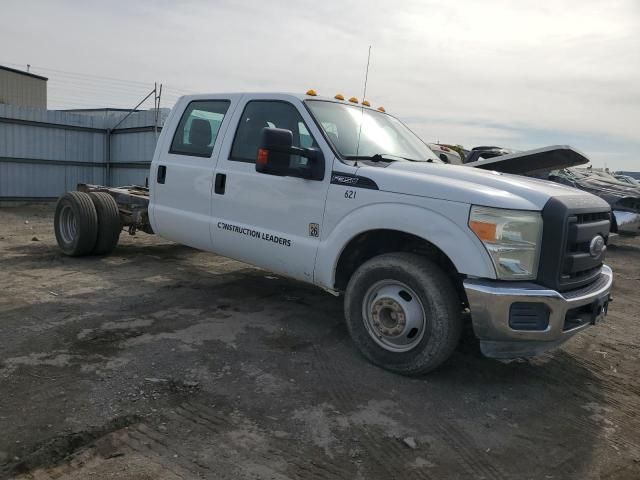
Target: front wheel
[403,313]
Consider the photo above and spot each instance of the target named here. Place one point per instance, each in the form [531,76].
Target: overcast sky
[519,74]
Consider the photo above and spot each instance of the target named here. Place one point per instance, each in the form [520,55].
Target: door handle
[162,173]
[220,183]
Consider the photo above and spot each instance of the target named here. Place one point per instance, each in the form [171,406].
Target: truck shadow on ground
[268,344]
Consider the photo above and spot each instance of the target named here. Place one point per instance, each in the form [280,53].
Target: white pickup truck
[344,196]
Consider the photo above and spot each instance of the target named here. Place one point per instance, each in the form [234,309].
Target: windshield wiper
[380,157]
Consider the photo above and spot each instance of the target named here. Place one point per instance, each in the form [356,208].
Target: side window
[306,140]
[259,114]
[198,128]
[332,132]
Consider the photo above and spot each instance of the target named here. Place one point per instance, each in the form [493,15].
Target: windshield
[381,134]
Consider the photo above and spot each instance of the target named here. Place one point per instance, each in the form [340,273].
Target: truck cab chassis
[344,196]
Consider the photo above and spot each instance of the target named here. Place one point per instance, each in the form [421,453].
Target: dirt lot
[161,362]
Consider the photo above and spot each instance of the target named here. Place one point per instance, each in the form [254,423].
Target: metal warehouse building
[44,153]
[23,89]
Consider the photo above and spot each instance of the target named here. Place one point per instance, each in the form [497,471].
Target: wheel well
[376,242]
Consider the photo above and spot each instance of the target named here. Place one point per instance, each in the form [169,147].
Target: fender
[457,241]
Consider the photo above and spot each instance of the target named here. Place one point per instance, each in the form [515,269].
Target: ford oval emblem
[597,246]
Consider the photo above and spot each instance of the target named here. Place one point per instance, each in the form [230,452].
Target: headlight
[512,238]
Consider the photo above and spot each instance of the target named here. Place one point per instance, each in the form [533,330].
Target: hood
[538,161]
[469,185]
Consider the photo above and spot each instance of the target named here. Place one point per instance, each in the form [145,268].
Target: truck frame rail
[133,204]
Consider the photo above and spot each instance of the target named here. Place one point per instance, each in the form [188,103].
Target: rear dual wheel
[109,226]
[87,223]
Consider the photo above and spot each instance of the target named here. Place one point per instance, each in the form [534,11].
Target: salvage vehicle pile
[621,192]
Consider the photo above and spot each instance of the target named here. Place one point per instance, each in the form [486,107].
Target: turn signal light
[353,100]
[366,103]
[312,92]
[339,96]
[381,109]
[485,231]
[263,157]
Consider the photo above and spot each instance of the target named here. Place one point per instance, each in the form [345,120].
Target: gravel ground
[162,362]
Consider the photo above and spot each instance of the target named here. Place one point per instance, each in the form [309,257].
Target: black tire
[109,226]
[440,329]
[76,224]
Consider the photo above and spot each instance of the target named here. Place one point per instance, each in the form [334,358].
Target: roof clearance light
[366,103]
[339,96]
[311,93]
[353,100]
[381,109]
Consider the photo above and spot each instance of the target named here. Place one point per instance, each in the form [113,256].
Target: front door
[269,221]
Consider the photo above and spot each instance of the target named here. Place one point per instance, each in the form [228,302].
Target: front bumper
[491,303]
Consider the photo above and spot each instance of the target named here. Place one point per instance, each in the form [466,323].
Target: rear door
[183,170]
[269,221]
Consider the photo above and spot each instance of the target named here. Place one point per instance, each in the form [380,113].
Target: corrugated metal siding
[129,176]
[30,153]
[133,147]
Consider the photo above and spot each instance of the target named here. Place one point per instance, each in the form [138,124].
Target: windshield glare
[381,133]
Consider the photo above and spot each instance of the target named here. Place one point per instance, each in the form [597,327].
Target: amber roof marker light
[366,103]
[339,96]
[312,93]
[381,109]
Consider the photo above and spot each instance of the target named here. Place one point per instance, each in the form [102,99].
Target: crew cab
[344,196]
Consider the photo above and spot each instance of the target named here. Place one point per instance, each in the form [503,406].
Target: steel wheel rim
[394,315]
[68,224]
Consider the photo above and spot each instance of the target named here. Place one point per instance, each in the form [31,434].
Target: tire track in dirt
[387,456]
[124,443]
[152,456]
[571,381]
[315,468]
[610,388]
[153,446]
[471,454]
[393,457]
[73,465]
[201,417]
[595,430]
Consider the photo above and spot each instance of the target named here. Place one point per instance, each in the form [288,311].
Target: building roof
[22,72]
[98,109]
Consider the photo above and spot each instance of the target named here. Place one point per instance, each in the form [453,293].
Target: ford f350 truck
[344,196]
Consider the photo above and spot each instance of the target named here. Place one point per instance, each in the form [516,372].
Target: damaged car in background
[558,163]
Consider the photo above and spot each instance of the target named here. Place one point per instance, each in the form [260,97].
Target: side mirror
[275,151]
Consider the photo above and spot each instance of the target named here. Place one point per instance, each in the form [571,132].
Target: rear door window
[198,128]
